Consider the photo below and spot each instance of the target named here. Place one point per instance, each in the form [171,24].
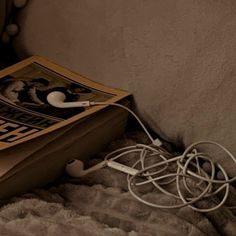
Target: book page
[24,110]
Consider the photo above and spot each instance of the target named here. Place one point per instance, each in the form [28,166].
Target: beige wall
[178,58]
[120,39]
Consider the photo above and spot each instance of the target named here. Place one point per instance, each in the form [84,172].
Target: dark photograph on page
[29,87]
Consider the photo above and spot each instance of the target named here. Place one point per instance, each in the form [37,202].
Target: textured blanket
[100,204]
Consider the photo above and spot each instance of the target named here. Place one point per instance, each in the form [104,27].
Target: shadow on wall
[8,30]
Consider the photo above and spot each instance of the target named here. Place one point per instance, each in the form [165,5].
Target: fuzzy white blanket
[100,204]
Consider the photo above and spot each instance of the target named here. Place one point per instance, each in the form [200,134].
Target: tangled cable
[192,182]
[182,170]
[163,170]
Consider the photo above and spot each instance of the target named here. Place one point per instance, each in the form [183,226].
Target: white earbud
[57,99]
[75,168]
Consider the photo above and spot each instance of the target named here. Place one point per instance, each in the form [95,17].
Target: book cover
[24,110]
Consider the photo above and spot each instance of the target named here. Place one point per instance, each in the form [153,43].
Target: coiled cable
[185,169]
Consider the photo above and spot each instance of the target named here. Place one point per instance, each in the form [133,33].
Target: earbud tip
[56,98]
[74,168]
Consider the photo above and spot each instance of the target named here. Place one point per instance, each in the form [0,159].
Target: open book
[36,138]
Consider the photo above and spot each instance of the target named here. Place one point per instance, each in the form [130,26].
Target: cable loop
[192,183]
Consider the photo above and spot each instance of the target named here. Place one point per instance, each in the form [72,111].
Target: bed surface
[100,204]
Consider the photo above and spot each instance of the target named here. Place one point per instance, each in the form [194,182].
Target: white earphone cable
[187,163]
[192,183]
[130,111]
